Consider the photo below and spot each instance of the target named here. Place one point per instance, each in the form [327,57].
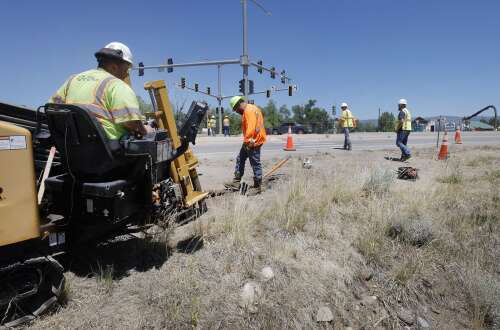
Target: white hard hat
[403,102]
[343,105]
[116,50]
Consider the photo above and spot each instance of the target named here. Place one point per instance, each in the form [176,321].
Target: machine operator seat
[82,143]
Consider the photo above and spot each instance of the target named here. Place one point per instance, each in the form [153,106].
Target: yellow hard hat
[235,100]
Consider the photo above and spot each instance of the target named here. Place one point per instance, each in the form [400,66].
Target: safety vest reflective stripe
[96,110]
[258,122]
[99,94]
[125,111]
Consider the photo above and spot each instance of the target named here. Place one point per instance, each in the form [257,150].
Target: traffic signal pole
[243,61]
[244,56]
[219,98]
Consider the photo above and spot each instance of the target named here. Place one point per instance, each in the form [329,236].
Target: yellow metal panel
[18,206]
[183,168]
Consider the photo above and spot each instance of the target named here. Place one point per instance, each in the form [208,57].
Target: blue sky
[442,55]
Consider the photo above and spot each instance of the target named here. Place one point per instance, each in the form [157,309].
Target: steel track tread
[29,289]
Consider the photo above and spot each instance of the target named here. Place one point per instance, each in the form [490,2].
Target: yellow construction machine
[64,185]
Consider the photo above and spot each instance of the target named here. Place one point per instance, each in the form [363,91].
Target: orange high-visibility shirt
[253,125]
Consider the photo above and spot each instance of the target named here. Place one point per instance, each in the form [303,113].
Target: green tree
[366,127]
[317,119]
[284,113]
[235,123]
[299,114]
[386,122]
[272,116]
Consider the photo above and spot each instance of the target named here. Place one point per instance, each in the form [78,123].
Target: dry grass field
[344,237]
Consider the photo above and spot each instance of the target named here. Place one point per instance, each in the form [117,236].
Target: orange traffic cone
[458,136]
[289,140]
[443,152]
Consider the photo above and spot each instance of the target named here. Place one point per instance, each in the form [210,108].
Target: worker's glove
[251,143]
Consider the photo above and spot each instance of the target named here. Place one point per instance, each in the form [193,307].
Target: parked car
[296,129]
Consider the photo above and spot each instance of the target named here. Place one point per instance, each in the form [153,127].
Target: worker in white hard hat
[104,93]
[347,123]
[254,136]
[226,125]
[211,123]
[403,129]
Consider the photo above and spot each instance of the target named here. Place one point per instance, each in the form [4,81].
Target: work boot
[256,188]
[233,185]
[404,158]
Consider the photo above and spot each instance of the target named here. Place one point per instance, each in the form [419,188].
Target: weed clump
[379,181]
[454,175]
[413,232]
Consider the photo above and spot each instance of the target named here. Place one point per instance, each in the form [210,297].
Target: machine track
[29,289]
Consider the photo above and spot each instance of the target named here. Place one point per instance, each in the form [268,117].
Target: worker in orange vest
[254,136]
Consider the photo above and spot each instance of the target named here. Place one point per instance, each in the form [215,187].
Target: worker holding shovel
[254,136]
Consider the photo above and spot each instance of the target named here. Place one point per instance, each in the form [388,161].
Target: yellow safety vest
[347,119]
[108,98]
[407,120]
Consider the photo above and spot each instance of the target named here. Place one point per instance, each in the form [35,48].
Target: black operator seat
[81,141]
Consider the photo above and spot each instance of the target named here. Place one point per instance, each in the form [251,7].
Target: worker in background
[105,94]
[226,125]
[347,123]
[403,129]
[254,136]
[211,123]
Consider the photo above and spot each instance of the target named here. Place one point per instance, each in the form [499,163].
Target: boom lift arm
[495,122]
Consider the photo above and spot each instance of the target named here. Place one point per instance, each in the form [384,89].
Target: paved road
[209,147]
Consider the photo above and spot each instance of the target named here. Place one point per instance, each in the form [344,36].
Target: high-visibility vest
[347,119]
[108,98]
[407,120]
[252,124]
[211,123]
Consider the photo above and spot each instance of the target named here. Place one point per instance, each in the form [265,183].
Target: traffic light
[222,111]
[283,80]
[268,93]
[259,69]
[290,90]
[183,83]
[250,86]
[141,69]
[242,86]
[196,87]
[169,62]
[273,73]
[208,90]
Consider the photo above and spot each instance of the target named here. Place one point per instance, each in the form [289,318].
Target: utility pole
[219,98]
[243,61]
[244,56]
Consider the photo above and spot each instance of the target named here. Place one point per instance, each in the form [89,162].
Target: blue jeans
[402,141]
[253,154]
[226,130]
[347,139]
